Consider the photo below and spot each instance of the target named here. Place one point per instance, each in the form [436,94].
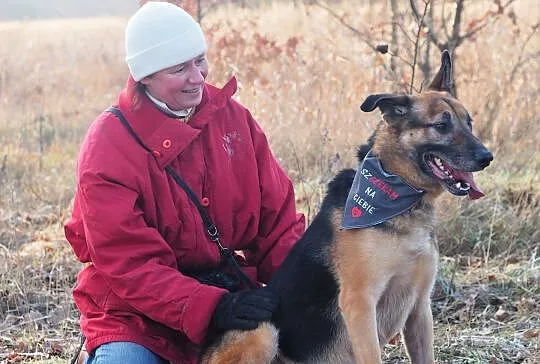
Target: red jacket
[138,228]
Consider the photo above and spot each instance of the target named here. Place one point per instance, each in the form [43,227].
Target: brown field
[303,75]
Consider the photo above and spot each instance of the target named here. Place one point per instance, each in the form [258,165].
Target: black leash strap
[211,229]
[78,351]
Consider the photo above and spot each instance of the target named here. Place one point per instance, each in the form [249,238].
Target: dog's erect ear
[444,80]
[393,107]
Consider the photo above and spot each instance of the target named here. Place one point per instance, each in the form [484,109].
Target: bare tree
[495,99]
[445,38]
[363,35]
[449,33]
[427,4]
[425,61]
[394,45]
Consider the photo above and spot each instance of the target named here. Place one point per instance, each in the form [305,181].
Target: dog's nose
[484,157]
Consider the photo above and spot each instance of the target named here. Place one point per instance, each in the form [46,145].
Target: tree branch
[408,63]
[405,33]
[416,43]
[443,18]
[520,61]
[484,23]
[360,35]
[454,39]
[431,31]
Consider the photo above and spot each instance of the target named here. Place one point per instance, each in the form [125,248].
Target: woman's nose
[195,75]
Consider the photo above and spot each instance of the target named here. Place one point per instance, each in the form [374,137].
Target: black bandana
[377,196]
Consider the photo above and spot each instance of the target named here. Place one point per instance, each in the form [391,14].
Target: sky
[46,9]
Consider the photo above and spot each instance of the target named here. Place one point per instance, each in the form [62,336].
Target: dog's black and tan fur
[345,293]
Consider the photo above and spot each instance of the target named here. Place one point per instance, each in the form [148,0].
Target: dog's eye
[442,127]
[445,124]
[446,117]
[469,122]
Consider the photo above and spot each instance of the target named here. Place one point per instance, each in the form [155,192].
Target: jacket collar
[167,136]
[181,114]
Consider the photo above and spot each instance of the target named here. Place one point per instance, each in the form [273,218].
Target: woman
[136,227]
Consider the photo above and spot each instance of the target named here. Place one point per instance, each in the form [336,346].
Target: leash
[211,228]
[78,351]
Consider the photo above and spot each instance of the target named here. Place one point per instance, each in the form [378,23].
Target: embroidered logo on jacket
[228,140]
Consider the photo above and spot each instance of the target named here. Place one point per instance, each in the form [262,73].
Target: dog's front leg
[418,333]
[360,318]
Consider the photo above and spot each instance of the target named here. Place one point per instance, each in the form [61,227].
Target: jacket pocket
[113,302]
[91,291]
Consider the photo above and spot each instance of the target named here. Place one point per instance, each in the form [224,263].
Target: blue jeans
[123,352]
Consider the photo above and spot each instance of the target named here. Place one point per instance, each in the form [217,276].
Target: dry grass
[303,76]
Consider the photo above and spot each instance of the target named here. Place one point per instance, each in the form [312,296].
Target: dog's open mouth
[457,182]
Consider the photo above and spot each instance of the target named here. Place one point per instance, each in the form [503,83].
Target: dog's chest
[410,280]
[414,261]
[418,242]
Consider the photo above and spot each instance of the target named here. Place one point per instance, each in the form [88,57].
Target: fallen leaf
[531,333]
[501,314]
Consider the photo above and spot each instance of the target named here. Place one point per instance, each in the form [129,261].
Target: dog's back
[310,323]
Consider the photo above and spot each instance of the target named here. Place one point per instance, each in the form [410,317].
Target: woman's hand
[244,310]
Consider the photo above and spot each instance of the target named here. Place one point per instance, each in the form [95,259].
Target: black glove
[245,309]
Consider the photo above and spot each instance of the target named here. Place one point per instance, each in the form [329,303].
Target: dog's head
[428,139]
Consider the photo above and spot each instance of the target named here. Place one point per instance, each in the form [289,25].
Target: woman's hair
[135,93]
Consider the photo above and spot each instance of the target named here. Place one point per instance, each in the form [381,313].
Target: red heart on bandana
[356,212]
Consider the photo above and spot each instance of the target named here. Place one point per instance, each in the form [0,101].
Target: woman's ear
[145,81]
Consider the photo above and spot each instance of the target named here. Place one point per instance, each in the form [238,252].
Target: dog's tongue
[474,192]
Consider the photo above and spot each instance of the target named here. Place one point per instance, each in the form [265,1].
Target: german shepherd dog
[344,293]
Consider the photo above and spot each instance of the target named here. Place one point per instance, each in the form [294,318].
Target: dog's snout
[484,157]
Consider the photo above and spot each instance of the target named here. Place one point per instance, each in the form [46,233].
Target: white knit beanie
[161,35]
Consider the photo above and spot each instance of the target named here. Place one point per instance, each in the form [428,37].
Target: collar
[377,196]
[162,133]
[181,114]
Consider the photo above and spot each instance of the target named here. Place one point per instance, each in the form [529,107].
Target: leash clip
[213,233]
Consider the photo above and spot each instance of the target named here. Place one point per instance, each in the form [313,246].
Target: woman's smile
[193,90]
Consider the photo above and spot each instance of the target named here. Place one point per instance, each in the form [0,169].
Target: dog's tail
[244,347]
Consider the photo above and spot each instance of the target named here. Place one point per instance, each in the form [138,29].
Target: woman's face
[180,87]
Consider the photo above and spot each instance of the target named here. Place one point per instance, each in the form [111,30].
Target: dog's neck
[396,160]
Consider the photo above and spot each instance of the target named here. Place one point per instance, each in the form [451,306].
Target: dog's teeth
[462,186]
[440,165]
